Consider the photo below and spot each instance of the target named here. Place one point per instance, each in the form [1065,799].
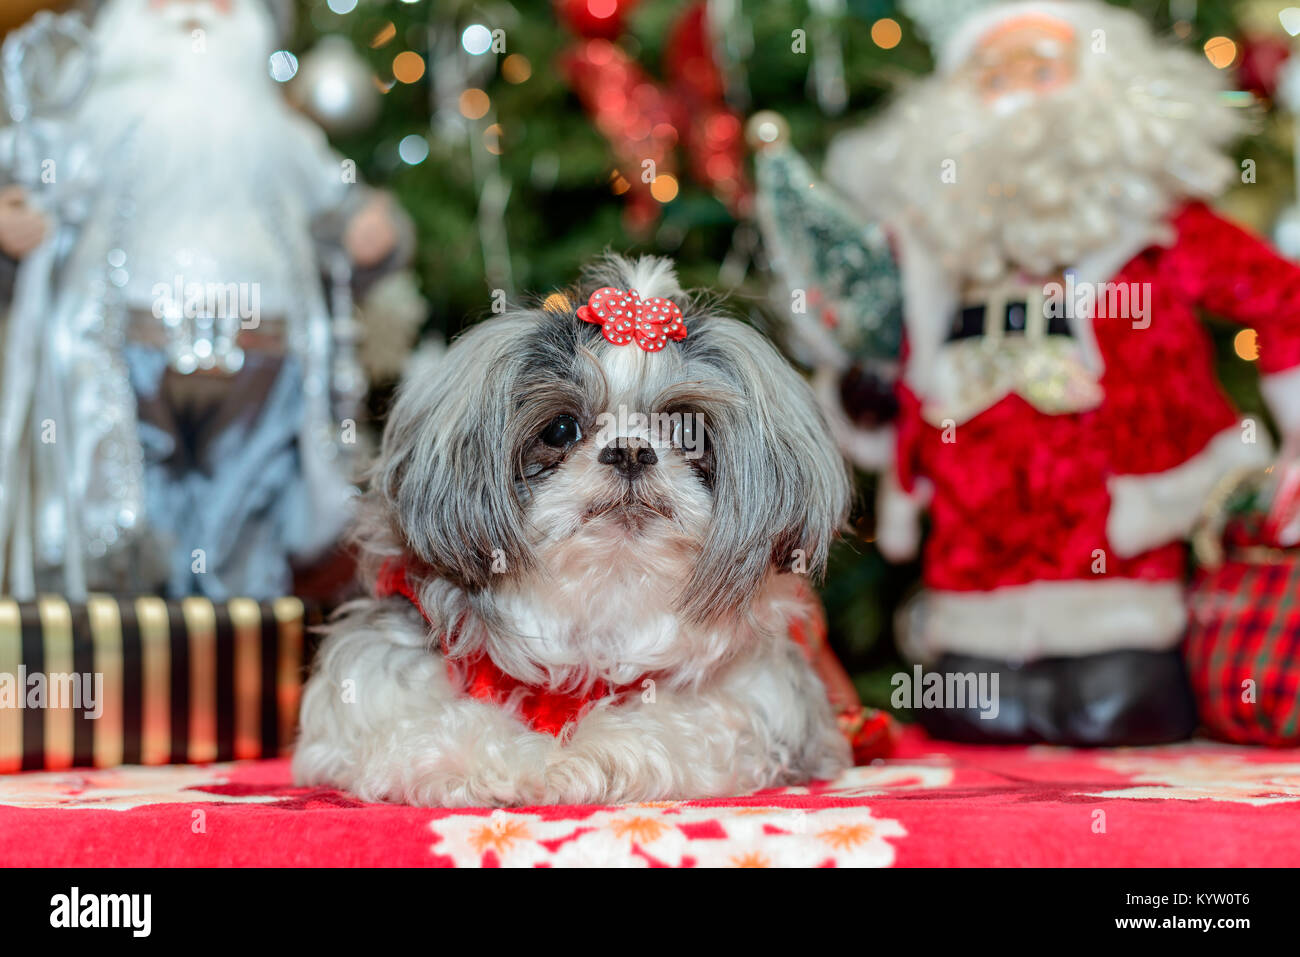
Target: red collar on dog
[479,677]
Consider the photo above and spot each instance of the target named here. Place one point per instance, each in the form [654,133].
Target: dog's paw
[499,777]
[451,789]
[575,778]
[590,775]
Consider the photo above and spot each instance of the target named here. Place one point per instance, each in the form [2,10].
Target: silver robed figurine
[85,503]
[40,87]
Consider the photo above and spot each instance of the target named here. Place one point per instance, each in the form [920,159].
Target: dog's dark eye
[688,432]
[563,430]
[691,435]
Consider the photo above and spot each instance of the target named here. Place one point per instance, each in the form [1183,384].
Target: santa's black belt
[970,321]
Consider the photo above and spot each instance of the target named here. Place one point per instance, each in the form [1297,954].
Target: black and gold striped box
[147,681]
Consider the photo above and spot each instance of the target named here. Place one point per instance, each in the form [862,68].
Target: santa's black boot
[1116,698]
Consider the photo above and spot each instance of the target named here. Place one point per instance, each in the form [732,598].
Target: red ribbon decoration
[632,113]
[641,120]
[711,132]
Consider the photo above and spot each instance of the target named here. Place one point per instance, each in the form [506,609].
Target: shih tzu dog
[587,530]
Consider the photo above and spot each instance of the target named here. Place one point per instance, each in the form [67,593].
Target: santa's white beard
[1035,188]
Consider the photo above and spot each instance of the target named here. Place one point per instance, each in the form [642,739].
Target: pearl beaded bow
[624,317]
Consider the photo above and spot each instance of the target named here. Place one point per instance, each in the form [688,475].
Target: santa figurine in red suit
[1045,197]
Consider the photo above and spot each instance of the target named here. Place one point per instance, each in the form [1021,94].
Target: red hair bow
[624,316]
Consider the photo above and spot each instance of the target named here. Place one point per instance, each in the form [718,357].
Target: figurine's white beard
[199,141]
[182,41]
[1039,186]
[202,116]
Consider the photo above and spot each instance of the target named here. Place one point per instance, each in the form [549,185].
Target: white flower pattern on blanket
[873,780]
[1204,777]
[120,789]
[672,834]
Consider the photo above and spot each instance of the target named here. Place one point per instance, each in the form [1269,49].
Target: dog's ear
[445,469]
[780,487]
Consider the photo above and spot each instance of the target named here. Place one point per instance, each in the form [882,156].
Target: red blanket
[931,804]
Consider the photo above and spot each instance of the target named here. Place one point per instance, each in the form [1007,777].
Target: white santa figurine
[167,419]
[1059,415]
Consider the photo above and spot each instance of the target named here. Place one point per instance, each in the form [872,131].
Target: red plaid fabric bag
[1243,641]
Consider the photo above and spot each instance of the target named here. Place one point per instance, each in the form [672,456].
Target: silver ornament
[336,88]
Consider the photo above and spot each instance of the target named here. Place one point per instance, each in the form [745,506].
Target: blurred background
[517,134]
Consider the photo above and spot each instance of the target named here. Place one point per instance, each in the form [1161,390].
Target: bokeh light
[413,149]
[408,67]
[516,68]
[1246,345]
[886,33]
[474,104]
[664,188]
[283,66]
[477,39]
[1220,51]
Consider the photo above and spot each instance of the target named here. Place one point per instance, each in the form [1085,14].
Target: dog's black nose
[628,456]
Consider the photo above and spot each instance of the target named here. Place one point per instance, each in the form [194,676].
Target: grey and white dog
[578,517]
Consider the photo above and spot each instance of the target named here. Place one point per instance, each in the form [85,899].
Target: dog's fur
[567,573]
